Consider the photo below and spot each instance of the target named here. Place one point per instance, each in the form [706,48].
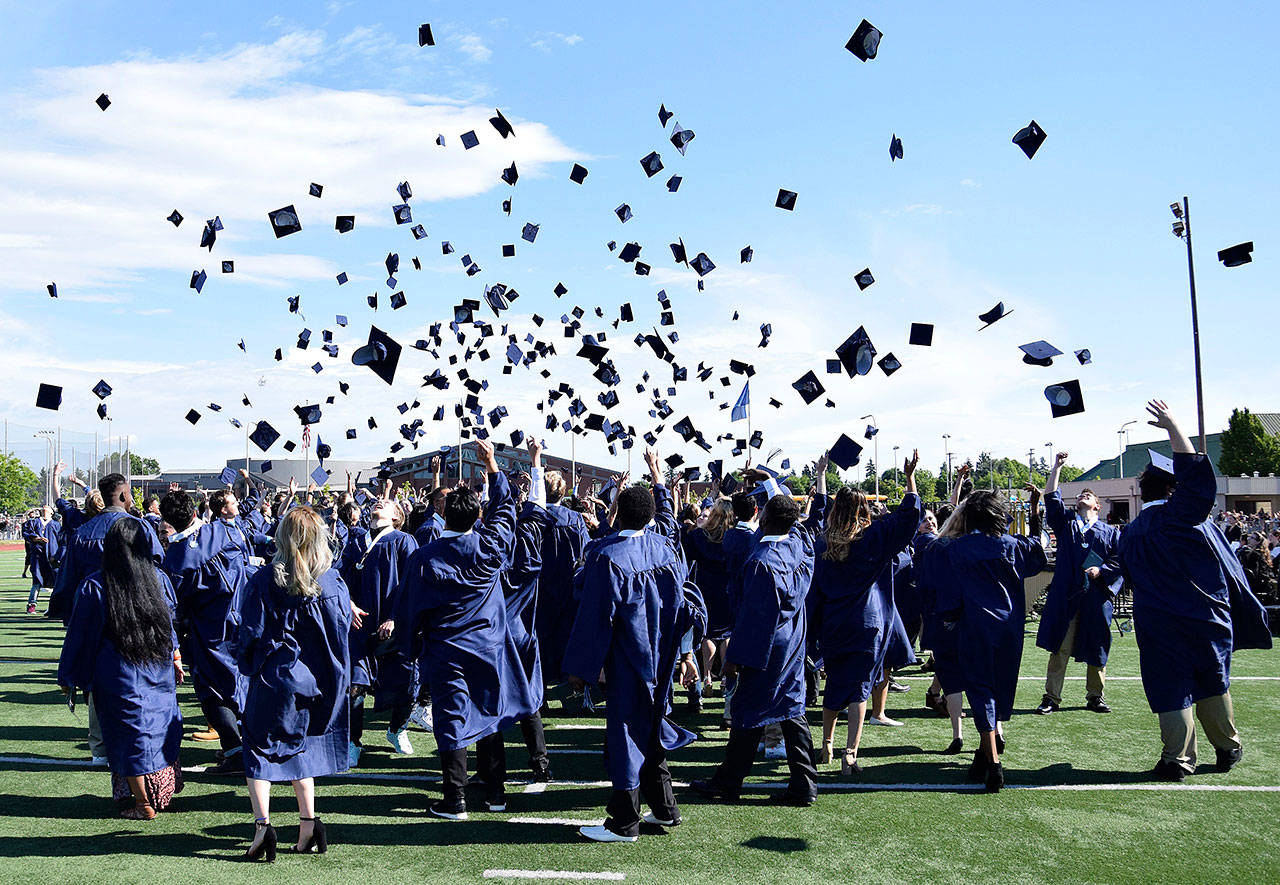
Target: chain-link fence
[88,455]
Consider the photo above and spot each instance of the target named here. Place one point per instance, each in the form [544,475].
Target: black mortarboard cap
[285,221]
[745,256]
[684,427]
[786,199]
[673,183]
[865,42]
[1234,256]
[397,300]
[630,252]
[49,396]
[175,218]
[381,354]
[344,223]
[102,389]
[309,414]
[264,436]
[425,38]
[508,250]
[316,189]
[1084,356]
[198,278]
[996,313]
[228,267]
[578,173]
[102,101]
[529,233]
[857,353]
[664,115]
[809,387]
[845,453]
[1029,138]
[469,139]
[680,137]
[702,264]
[1064,398]
[403,214]
[193,416]
[405,190]
[864,278]
[895,148]
[889,364]
[1039,353]
[510,175]
[290,445]
[102,410]
[651,163]
[834,367]
[501,124]
[921,334]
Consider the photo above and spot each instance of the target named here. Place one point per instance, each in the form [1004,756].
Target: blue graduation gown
[207,569]
[768,643]
[137,704]
[154,520]
[710,572]
[941,636]
[72,516]
[984,594]
[737,545]
[83,556]
[852,611]
[376,584]
[564,538]
[429,530]
[899,652]
[294,654]
[520,590]
[45,541]
[635,606]
[1071,593]
[453,612]
[353,548]
[1192,605]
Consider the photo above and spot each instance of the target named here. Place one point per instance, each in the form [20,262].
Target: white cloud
[544,40]
[473,47]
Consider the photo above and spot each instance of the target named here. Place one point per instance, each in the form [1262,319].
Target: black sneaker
[1097,705]
[786,797]
[1227,759]
[441,809]
[954,747]
[711,791]
[232,764]
[995,778]
[898,687]
[1046,707]
[1169,771]
[977,770]
[541,773]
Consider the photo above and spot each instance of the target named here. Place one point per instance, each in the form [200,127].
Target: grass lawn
[57,823]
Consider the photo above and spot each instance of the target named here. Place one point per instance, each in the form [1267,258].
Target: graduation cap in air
[870,432]
[344,223]
[786,200]
[845,453]
[264,436]
[651,163]
[510,175]
[895,148]
[673,184]
[198,278]
[227,476]
[865,41]
[857,353]
[323,449]
[1235,256]
[469,139]
[403,214]
[702,264]
[501,124]
[578,173]
[921,334]
[319,476]
[381,354]
[102,390]
[684,427]
[1084,356]
[102,101]
[889,364]
[664,115]
[425,37]
[1039,353]
[1064,398]
[1029,138]
[680,137]
[49,396]
[174,218]
[316,189]
[809,387]
[864,278]
[228,267]
[624,213]
[993,315]
[192,416]
[496,297]
[285,221]
[309,414]
[1159,461]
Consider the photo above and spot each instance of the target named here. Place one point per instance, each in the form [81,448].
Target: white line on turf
[576,726]
[563,752]
[537,787]
[1110,678]
[562,821]
[552,874]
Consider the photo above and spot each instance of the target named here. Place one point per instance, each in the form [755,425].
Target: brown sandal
[139,812]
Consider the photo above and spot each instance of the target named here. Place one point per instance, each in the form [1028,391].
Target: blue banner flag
[740,407]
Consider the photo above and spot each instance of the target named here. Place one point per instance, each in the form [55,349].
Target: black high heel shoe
[267,847]
[319,842]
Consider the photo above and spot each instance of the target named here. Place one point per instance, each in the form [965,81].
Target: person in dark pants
[767,654]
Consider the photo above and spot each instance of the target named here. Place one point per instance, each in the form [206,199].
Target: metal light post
[875,440]
[1182,230]
[1031,453]
[895,464]
[1120,434]
[946,447]
[49,483]
[1050,461]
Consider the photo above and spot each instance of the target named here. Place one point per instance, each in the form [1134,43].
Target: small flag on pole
[740,407]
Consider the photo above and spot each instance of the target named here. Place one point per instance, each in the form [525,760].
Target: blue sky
[234,110]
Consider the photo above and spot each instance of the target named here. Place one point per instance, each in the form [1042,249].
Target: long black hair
[139,623]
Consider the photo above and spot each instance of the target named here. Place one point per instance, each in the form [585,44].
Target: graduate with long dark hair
[121,647]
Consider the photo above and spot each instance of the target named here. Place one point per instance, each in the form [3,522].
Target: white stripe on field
[576,726]
[575,752]
[562,821]
[1109,678]
[551,874]
[536,787]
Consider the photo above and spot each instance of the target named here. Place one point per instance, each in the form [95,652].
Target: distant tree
[139,466]
[1246,446]
[19,485]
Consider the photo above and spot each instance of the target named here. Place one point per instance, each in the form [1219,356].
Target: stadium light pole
[875,440]
[895,464]
[946,448]
[1120,446]
[1182,230]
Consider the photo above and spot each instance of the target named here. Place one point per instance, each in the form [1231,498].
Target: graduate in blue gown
[120,646]
[851,611]
[767,652]
[452,611]
[378,665]
[704,550]
[634,610]
[564,537]
[291,623]
[1076,620]
[932,571]
[1192,606]
[44,539]
[983,594]
[208,567]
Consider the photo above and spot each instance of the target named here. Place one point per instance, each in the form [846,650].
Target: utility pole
[1182,230]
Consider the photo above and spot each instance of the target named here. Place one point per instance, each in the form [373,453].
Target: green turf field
[57,823]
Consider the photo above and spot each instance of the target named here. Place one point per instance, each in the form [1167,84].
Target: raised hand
[964,470]
[654,465]
[485,449]
[1061,458]
[1162,416]
[909,465]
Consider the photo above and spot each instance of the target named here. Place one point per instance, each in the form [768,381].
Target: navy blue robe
[207,569]
[376,579]
[852,612]
[899,652]
[83,556]
[293,651]
[737,545]
[45,542]
[768,644]
[137,704]
[983,593]
[942,637]
[635,606]
[1192,606]
[452,611]
[710,572]
[353,548]
[564,538]
[429,530]
[1071,593]
[520,589]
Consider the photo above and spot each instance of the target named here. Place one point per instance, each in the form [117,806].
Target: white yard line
[551,874]
[1109,678]
[537,787]
[562,821]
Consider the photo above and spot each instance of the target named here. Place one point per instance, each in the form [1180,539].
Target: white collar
[1153,503]
[187,532]
[631,533]
[438,519]
[380,533]
[1088,522]
[769,539]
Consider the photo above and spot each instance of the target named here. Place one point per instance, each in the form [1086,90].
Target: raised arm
[537,483]
[1197,488]
[664,516]
[962,471]
[497,533]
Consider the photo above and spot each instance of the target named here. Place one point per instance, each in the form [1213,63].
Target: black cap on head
[49,396]
[865,42]
[285,221]
[381,354]
[845,453]
[1029,138]
[1064,398]
[786,199]
[264,436]
[1234,256]
[921,334]
[809,387]
[994,314]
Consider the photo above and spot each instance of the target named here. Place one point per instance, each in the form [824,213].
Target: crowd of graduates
[462,611]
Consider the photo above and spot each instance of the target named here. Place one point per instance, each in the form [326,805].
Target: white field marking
[575,752]
[1111,678]
[26,661]
[536,787]
[562,821]
[551,874]
[37,760]
[574,726]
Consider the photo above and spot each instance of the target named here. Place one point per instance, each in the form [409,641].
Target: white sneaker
[421,716]
[399,741]
[653,819]
[98,761]
[604,834]
[778,752]
[353,755]
[883,720]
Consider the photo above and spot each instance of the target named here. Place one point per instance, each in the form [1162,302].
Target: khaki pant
[1095,677]
[1178,730]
